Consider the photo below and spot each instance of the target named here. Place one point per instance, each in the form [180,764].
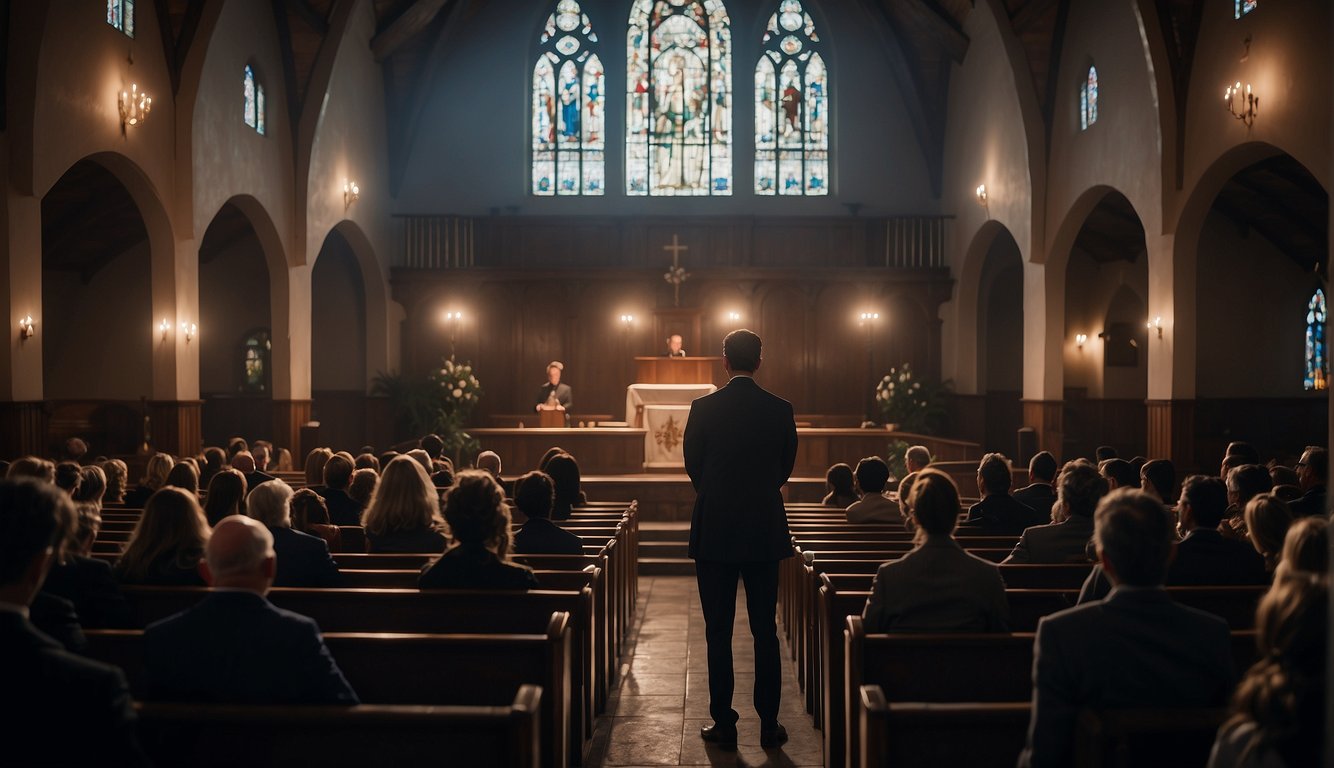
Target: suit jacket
[1208,558]
[1055,542]
[1137,648]
[539,536]
[937,587]
[56,619]
[1002,514]
[564,395]
[254,479]
[343,509]
[49,691]
[740,445]
[92,587]
[303,560]
[475,567]
[1311,504]
[1040,497]
[874,508]
[235,647]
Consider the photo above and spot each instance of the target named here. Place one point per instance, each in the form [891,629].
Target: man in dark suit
[740,445]
[209,653]
[534,495]
[57,708]
[303,560]
[998,512]
[343,509]
[674,348]
[1206,557]
[1137,648]
[244,463]
[1039,494]
[1312,476]
[1079,488]
[554,394]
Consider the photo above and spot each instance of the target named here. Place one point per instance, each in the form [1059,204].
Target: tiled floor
[663,697]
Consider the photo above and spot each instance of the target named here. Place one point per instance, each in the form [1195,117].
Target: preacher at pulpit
[554,395]
[674,346]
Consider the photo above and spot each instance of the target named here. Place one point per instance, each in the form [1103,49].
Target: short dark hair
[535,494]
[432,444]
[872,474]
[1133,532]
[742,350]
[235,445]
[1121,471]
[33,516]
[338,471]
[934,501]
[1207,497]
[1079,487]
[1318,461]
[994,469]
[1105,452]
[1043,466]
[1162,475]
[1243,449]
[839,477]
[1249,481]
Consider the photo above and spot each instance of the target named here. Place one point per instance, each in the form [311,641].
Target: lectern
[678,370]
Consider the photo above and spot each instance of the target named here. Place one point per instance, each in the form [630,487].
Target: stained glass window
[678,127]
[1241,8]
[254,101]
[1317,358]
[255,350]
[120,14]
[1088,100]
[791,107]
[569,107]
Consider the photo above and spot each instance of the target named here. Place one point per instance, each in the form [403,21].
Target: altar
[662,411]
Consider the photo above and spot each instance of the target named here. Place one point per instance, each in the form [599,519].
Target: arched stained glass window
[255,351]
[1088,100]
[1243,7]
[678,127]
[254,101]
[1317,357]
[120,14]
[569,98]
[791,107]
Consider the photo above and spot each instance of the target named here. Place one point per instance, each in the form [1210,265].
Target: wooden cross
[672,276]
[675,249]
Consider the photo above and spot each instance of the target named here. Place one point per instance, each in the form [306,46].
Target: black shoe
[723,737]
[774,736]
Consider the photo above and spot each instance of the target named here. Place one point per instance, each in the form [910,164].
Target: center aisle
[655,715]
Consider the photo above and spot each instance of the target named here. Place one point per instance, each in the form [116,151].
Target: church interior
[979,226]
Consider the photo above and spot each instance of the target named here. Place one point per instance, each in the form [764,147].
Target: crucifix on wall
[676,274]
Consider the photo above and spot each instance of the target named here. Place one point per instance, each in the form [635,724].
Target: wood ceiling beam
[1262,203]
[405,28]
[1241,216]
[289,64]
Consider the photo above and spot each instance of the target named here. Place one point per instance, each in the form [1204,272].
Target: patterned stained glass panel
[568,100]
[120,14]
[1088,100]
[678,98]
[251,97]
[259,109]
[1317,355]
[791,106]
[1243,7]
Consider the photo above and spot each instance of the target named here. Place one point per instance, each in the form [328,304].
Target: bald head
[489,462]
[239,554]
[243,462]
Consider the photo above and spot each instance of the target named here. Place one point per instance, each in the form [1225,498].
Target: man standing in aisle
[740,445]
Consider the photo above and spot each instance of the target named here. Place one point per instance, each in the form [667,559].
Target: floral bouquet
[458,390]
[910,403]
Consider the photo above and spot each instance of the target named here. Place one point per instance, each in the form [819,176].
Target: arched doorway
[1106,370]
[1000,341]
[97,297]
[338,345]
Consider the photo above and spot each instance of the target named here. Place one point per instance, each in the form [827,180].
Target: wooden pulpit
[678,370]
[550,417]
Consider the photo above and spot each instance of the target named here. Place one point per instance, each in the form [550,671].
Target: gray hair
[239,559]
[918,454]
[271,504]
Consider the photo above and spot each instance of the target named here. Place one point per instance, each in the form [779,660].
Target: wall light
[189,330]
[870,316]
[163,327]
[627,320]
[26,328]
[1250,103]
[134,106]
[981,194]
[351,194]
[1081,339]
[452,317]
[734,317]
[1156,323]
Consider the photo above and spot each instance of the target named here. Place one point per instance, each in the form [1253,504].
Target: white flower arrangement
[903,400]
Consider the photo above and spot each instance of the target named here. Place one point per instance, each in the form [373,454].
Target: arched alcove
[1000,341]
[338,336]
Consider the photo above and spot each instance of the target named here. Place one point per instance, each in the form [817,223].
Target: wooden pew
[1147,738]
[374,736]
[894,735]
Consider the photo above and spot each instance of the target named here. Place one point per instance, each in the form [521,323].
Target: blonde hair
[82,530]
[1267,521]
[476,513]
[315,461]
[155,474]
[404,500]
[363,485]
[117,473]
[172,525]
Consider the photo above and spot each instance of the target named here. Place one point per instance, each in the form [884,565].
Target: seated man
[244,463]
[1119,473]
[998,513]
[872,474]
[916,458]
[937,587]
[303,559]
[1137,648]
[1204,556]
[343,509]
[58,708]
[1039,494]
[1157,478]
[534,495]
[234,646]
[1078,489]
[1312,475]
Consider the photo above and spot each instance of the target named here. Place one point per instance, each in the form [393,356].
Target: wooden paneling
[1171,431]
[176,426]
[1278,427]
[1045,417]
[22,428]
[227,416]
[349,420]
[288,416]
[1090,423]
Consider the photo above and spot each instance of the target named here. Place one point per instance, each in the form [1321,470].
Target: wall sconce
[163,327]
[981,194]
[1156,323]
[1081,339]
[134,107]
[734,317]
[869,317]
[452,317]
[351,194]
[26,328]
[1250,103]
[627,321]
[189,330]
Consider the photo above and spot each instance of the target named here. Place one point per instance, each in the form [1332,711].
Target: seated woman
[404,513]
[85,581]
[311,515]
[1267,519]
[155,476]
[167,543]
[839,482]
[92,486]
[226,496]
[479,524]
[937,587]
[183,476]
[363,485]
[564,473]
[1305,549]
[534,496]
[1278,710]
[117,477]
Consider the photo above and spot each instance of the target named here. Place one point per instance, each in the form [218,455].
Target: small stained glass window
[1317,356]
[1243,7]
[1088,100]
[791,107]
[120,14]
[254,101]
[255,350]
[569,138]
